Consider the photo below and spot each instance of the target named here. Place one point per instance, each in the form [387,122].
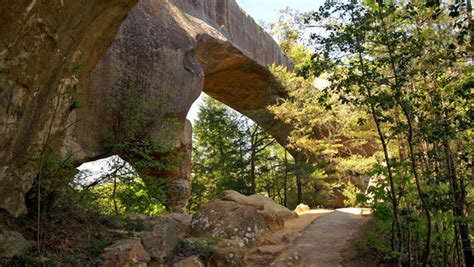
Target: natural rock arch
[174,50]
[166,52]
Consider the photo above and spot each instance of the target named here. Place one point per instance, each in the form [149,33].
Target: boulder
[184,222]
[259,201]
[235,216]
[229,220]
[275,215]
[161,241]
[125,253]
[228,253]
[193,261]
[302,209]
[12,244]
[271,207]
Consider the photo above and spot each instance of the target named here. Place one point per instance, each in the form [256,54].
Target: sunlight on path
[356,211]
[323,241]
[318,211]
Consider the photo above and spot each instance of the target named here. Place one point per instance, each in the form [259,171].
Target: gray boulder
[12,244]
[161,241]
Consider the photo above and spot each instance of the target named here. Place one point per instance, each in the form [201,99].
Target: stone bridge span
[165,53]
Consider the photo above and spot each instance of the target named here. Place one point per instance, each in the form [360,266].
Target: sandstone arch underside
[166,52]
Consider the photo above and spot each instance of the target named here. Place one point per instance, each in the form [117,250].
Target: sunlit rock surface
[47,48]
[169,52]
[53,100]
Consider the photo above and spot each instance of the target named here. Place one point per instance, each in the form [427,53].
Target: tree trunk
[459,207]
[285,181]
[299,184]
[114,196]
[299,188]
[470,27]
[252,171]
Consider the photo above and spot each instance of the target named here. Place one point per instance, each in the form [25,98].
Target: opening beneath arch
[232,152]
[193,111]
[115,187]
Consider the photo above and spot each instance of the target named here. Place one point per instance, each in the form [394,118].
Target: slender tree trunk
[459,207]
[401,146]
[299,184]
[470,27]
[253,178]
[423,200]
[114,196]
[299,188]
[410,140]
[285,181]
[393,195]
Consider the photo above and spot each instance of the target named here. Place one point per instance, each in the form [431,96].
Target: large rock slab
[125,253]
[161,241]
[273,208]
[12,244]
[192,261]
[227,219]
[274,214]
[237,217]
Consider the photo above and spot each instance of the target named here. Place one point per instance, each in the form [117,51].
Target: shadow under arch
[175,50]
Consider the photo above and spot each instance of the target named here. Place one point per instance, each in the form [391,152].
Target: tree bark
[285,181]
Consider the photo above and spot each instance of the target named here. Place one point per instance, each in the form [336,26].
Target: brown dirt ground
[324,239]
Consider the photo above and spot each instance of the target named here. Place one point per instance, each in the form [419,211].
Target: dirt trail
[323,241]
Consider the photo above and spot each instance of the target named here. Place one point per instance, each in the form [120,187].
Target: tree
[232,152]
[407,65]
[327,136]
[219,153]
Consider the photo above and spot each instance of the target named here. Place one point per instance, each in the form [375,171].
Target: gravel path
[323,241]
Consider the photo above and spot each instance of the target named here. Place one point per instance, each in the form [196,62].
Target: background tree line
[398,108]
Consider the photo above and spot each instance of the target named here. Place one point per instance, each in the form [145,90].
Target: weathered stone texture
[235,216]
[161,241]
[166,52]
[12,244]
[126,252]
[47,48]
[171,51]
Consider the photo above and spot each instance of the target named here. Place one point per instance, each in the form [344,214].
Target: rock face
[47,49]
[227,219]
[192,261]
[166,53]
[184,223]
[228,253]
[169,52]
[161,241]
[237,217]
[12,244]
[275,215]
[125,253]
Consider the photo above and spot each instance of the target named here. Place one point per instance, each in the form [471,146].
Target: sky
[266,11]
